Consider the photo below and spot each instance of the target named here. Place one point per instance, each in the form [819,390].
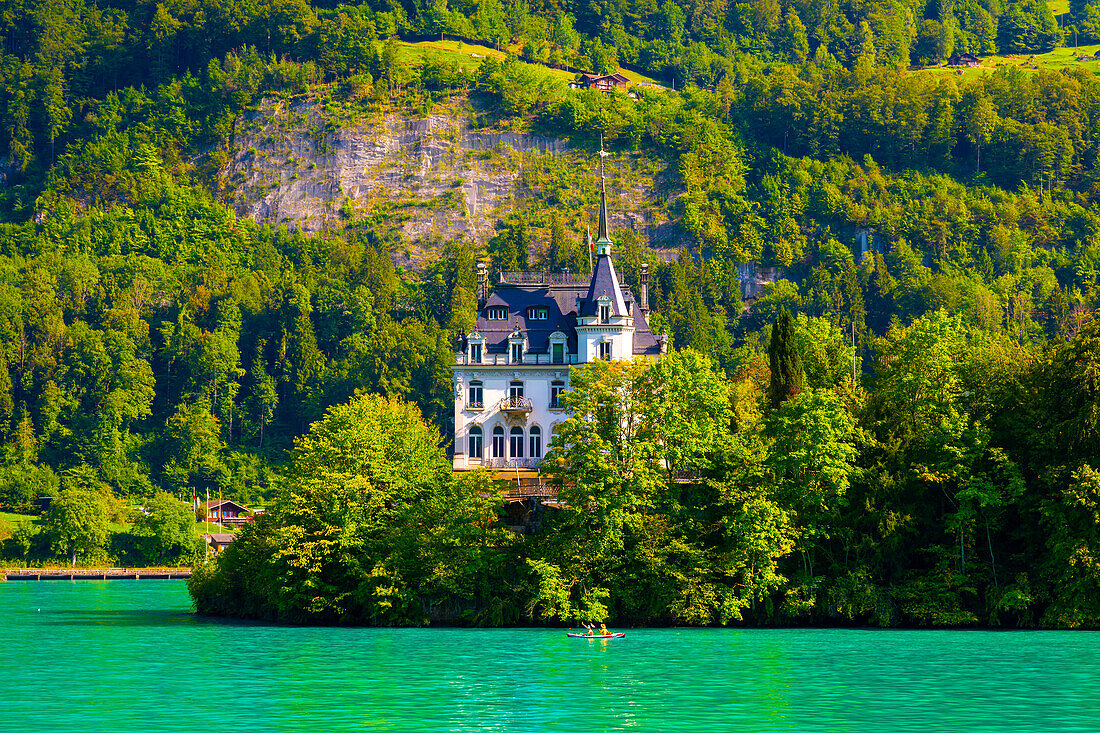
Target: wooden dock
[98,574]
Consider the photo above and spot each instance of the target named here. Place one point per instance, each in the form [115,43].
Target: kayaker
[604,631]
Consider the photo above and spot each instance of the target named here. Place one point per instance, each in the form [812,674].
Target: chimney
[643,290]
[482,283]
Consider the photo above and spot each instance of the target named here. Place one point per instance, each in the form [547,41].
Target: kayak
[596,636]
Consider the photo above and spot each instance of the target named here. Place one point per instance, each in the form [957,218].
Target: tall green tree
[78,523]
[368,524]
[784,361]
[169,525]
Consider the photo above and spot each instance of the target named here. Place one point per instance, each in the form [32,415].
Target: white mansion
[514,366]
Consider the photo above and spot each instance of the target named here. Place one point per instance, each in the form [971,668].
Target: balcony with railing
[529,359]
[525,464]
[516,406]
[529,488]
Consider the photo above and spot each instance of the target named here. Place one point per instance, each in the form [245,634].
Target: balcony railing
[502,360]
[513,463]
[530,489]
[516,404]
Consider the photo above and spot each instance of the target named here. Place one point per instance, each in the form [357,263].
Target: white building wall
[495,386]
[589,338]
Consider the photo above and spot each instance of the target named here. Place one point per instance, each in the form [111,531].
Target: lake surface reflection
[129,655]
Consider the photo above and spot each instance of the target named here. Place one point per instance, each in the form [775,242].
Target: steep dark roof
[561,302]
[645,341]
[604,282]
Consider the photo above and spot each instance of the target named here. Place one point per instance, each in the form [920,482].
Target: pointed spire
[588,231]
[603,242]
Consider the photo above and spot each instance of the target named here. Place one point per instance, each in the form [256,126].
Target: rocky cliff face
[425,176]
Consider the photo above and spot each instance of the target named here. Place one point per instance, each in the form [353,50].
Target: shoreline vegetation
[795,469]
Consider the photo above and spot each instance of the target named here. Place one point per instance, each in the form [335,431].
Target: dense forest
[152,341]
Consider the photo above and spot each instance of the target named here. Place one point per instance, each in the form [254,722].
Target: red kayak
[596,636]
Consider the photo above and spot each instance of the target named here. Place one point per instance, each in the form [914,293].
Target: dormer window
[603,309]
[538,313]
[475,344]
[558,348]
[516,346]
[497,313]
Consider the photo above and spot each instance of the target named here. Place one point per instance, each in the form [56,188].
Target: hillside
[1057,59]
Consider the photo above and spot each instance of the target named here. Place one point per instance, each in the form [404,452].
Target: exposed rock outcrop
[426,176]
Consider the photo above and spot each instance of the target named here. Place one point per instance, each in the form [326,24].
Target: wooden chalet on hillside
[964,59]
[226,512]
[604,82]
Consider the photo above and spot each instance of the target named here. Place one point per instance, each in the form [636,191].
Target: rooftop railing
[463,358]
[544,278]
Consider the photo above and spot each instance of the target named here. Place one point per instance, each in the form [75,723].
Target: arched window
[476,396]
[516,440]
[557,387]
[498,442]
[536,441]
[476,436]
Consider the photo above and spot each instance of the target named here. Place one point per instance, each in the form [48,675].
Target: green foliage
[77,523]
[632,543]
[169,526]
[21,484]
[784,361]
[369,527]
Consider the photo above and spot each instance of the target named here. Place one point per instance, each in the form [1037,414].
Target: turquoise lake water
[129,656]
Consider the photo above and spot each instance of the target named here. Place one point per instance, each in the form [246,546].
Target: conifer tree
[784,361]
